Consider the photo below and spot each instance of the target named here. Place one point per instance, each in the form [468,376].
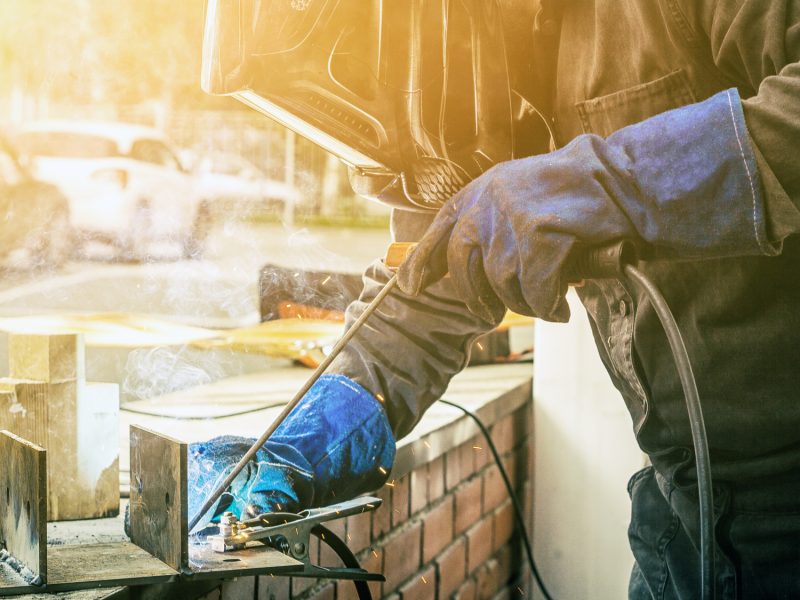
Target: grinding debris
[19,568]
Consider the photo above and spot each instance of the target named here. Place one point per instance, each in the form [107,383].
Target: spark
[382,470]
[299,316]
[349,539]
[381,398]
[427,445]
[326,280]
[323,536]
[375,553]
[477,448]
[390,483]
[521,592]
[480,347]
[279,506]
[423,579]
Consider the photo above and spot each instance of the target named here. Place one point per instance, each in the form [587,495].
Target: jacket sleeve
[409,349]
[756,44]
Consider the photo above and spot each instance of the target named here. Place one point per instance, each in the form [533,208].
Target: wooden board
[103,565]
[23,409]
[159,520]
[23,502]
[49,358]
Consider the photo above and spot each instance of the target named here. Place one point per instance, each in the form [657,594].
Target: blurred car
[35,225]
[124,184]
[235,185]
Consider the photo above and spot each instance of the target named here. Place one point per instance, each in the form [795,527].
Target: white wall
[585,452]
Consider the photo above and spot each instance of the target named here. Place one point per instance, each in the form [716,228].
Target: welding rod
[250,454]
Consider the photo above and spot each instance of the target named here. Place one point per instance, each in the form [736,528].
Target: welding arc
[251,453]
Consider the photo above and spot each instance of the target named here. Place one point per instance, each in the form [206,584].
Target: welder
[676,125]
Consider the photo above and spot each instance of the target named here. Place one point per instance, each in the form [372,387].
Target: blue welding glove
[335,445]
[682,184]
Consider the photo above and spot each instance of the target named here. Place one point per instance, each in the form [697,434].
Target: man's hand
[335,445]
[682,184]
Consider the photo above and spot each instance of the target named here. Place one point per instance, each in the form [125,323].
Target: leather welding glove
[336,444]
[682,184]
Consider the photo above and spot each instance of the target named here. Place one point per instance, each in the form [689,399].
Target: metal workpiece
[288,532]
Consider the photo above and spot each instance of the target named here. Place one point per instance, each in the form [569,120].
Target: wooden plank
[23,502]
[159,520]
[104,565]
[30,593]
[78,422]
[23,409]
[48,358]
[85,429]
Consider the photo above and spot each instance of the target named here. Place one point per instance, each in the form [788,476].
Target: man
[677,124]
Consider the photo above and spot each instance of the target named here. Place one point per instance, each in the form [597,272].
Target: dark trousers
[758,540]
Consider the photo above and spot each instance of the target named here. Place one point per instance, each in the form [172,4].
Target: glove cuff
[697,176]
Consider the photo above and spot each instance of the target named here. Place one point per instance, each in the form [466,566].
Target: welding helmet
[417,97]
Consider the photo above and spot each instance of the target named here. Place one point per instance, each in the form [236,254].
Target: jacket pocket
[606,114]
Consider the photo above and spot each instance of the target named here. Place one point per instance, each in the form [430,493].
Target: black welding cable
[518,515]
[698,428]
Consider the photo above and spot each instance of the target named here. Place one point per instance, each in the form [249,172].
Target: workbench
[244,405]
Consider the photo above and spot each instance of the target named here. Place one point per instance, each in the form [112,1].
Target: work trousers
[757,534]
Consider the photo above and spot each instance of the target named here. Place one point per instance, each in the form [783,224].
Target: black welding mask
[417,97]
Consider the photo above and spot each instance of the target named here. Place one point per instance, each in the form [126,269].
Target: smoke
[157,371]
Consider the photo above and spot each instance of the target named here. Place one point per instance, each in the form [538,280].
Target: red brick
[468,591]
[452,469]
[241,587]
[421,587]
[480,452]
[382,516]
[466,457]
[494,489]
[419,489]
[503,435]
[437,529]
[504,525]
[511,465]
[327,557]
[273,588]
[326,593]
[468,505]
[371,561]
[359,528]
[212,595]
[402,557]
[452,567]
[488,580]
[479,540]
[401,491]
[510,563]
[436,479]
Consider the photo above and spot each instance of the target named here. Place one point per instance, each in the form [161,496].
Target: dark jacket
[611,64]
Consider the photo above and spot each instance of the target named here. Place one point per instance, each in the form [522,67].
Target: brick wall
[446,531]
